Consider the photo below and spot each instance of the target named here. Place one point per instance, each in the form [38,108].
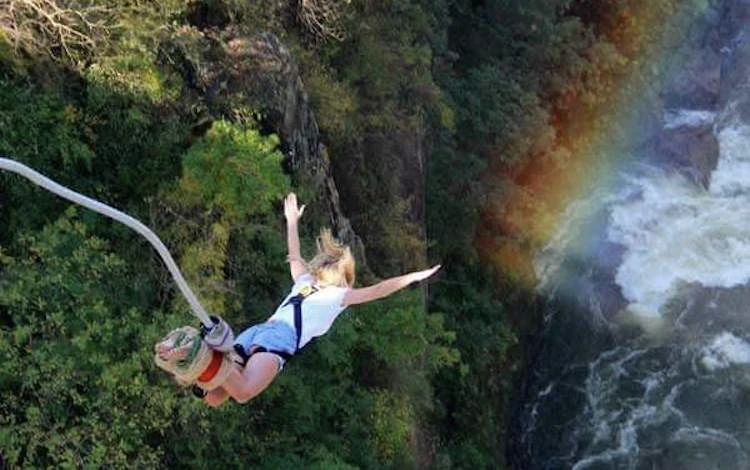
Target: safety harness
[296,302]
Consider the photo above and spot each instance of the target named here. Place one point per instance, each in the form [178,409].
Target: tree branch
[321,19]
[64,30]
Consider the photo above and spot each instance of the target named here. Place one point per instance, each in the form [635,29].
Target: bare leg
[216,397]
[257,375]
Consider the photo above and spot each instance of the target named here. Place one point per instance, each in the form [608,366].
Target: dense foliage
[433,112]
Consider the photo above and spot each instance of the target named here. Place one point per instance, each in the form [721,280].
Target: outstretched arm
[386,287]
[293,214]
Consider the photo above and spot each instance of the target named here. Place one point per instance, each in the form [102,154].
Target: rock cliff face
[228,71]
[711,71]
[265,73]
[690,99]
[736,67]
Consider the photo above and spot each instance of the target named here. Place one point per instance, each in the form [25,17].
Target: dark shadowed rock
[735,18]
[695,82]
[261,70]
[736,78]
[736,32]
[693,151]
[208,14]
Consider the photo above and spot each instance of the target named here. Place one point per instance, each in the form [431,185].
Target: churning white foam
[724,351]
[674,119]
[675,232]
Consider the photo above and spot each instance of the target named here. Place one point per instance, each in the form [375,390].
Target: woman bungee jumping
[210,359]
[322,289]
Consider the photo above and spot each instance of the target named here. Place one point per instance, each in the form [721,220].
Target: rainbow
[528,206]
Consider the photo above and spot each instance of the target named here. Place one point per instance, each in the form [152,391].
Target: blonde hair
[333,264]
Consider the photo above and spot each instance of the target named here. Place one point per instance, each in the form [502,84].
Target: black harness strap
[296,302]
[240,350]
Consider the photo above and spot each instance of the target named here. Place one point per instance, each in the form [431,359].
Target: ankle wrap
[185,355]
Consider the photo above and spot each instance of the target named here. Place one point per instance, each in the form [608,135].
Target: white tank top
[319,309]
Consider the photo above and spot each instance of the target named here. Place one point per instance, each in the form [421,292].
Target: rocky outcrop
[262,70]
[711,73]
[690,149]
[736,70]
[686,141]
[694,83]
[696,68]
[228,71]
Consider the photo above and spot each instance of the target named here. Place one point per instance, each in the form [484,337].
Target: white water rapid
[675,232]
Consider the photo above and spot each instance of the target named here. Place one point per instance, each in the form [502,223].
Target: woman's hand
[291,211]
[421,275]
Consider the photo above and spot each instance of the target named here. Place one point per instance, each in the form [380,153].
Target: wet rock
[709,310]
[692,450]
[695,81]
[689,145]
[736,50]
[735,79]
[735,18]
[693,151]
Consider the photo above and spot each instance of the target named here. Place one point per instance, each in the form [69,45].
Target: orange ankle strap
[213,367]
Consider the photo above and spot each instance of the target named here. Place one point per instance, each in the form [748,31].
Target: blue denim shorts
[274,336]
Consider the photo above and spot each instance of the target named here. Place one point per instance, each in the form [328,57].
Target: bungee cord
[56,188]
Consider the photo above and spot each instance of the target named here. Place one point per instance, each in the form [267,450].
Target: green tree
[75,341]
